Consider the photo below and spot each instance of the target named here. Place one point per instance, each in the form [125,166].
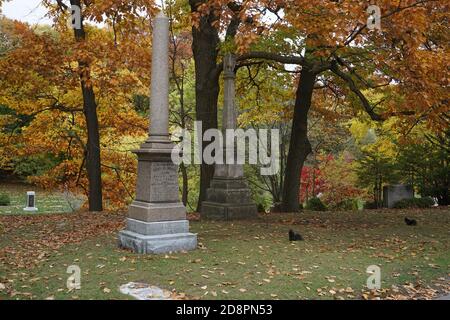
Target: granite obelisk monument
[228,197]
[157,219]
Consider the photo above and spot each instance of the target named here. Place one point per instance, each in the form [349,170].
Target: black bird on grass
[294,236]
[410,222]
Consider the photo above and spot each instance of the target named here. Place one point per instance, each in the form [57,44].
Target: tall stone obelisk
[157,219]
[228,197]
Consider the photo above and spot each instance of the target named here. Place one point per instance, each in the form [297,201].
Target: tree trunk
[444,199]
[185,189]
[299,147]
[380,190]
[93,164]
[205,46]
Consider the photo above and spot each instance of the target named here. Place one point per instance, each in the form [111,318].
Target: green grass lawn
[46,201]
[235,260]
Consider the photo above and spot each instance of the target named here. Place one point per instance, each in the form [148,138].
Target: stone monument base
[228,199]
[30,209]
[156,219]
[157,237]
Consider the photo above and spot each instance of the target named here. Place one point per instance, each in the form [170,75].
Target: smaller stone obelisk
[228,197]
[157,219]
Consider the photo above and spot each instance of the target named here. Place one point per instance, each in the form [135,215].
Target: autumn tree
[334,45]
[41,79]
[425,164]
[122,17]
[420,158]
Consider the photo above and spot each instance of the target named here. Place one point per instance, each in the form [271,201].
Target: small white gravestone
[31,202]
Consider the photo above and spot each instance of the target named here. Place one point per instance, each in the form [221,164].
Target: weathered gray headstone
[395,193]
[229,196]
[157,219]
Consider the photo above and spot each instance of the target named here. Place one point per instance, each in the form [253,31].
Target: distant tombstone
[396,192]
[31,201]
[229,196]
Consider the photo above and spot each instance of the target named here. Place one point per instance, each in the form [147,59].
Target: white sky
[30,11]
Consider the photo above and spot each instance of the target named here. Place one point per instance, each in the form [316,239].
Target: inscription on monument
[164,182]
[31,201]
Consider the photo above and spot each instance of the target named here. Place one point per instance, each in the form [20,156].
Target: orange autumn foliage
[40,79]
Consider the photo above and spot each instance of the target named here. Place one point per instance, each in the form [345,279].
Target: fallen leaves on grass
[44,234]
[410,291]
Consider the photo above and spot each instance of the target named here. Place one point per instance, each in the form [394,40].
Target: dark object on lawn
[4,200]
[294,236]
[410,222]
